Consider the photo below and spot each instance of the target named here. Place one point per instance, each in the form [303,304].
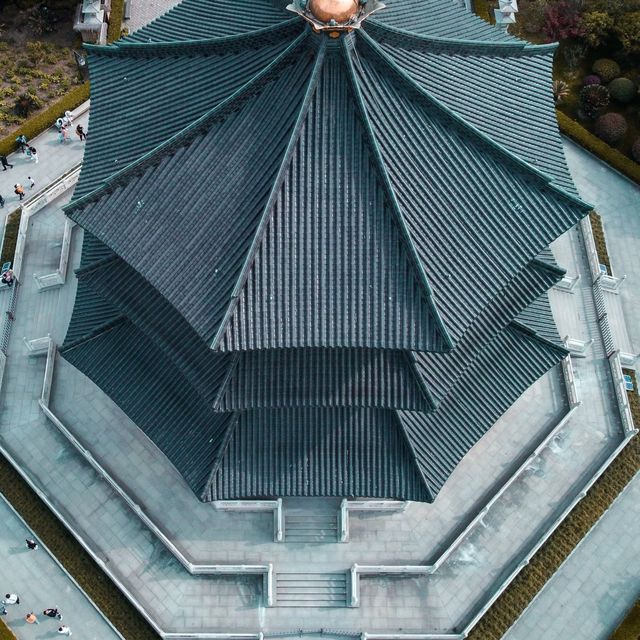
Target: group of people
[31,617]
[63,125]
[26,148]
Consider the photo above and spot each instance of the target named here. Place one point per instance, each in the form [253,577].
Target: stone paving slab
[586,598]
[41,583]
[54,159]
[143,565]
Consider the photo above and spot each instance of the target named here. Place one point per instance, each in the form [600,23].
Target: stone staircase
[310,521]
[311,589]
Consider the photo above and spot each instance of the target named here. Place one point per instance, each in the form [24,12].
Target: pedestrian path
[587,599]
[41,583]
[54,160]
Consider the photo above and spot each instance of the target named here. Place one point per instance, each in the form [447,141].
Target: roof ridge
[98,331]
[525,329]
[388,188]
[190,130]
[220,453]
[180,47]
[494,45]
[411,361]
[268,208]
[421,474]
[474,131]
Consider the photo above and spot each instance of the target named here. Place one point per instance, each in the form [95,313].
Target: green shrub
[623,90]
[27,102]
[5,632]
[611,127]
[45,119]
[608,154]
[635,150]
[592,98]
[10,239]
[607,69]
[115,20]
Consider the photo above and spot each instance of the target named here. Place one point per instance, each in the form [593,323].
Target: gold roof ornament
[335,16]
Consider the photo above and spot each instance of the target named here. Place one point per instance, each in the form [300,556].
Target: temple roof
[335,242]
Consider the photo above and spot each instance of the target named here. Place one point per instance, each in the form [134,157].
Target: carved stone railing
[59,276]
[256,506]
[370,506]
[265,570]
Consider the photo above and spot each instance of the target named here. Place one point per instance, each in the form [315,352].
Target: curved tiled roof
[334,244]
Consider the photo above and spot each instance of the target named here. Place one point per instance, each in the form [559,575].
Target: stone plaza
[323,565]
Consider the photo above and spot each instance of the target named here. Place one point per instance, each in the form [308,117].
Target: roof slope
[323,272]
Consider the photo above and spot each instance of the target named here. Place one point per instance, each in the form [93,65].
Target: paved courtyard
[180,602]
[41,583]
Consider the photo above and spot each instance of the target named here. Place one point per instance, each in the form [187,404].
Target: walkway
[54,159]
[148,570]
[592,591]
[599,582]
[40,582]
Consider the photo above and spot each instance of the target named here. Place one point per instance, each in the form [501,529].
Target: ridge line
[127,46]
[388,188]
[190,129]
[268,208]
[521,45]
[523,328]
[407,79]
[421,473]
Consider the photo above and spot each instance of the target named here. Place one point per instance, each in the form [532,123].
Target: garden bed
[10,237]
[72,556]
[38,65]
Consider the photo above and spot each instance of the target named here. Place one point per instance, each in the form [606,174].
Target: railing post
[344,520]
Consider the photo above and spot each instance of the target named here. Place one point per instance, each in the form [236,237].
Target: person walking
[22,142]
[7,278]
[80,133]
[32,182]
[18,189]
[32,618]
[1,202]
[52,612]
[11,598]
[34,154]
[5,163]
[31,544]
[64,630]
[3,610]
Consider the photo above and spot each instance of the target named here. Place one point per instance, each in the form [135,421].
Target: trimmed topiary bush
[610,155]
[610,127]
[622,90]
[591,79]
[593,97]
[635,150]
[607,69]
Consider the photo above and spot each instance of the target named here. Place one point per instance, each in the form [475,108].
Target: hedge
[72,556]
[514,600]
[115,20]
[45,119]
[5,632]
[592,143]
[482,9]
[629,628]
[10,238]
[598,236]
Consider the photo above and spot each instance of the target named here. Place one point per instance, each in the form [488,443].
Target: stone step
[306,527]
[311,589]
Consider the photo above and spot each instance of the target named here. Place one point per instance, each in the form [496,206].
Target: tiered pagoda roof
[315,255]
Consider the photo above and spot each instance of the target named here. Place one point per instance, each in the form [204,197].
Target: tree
[628,31]
[597,27]
[561,21]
